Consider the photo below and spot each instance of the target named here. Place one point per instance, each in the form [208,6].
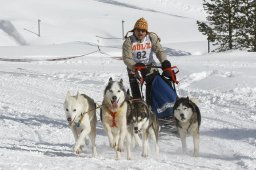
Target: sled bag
[163,98]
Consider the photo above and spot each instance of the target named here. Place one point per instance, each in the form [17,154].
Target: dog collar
[80,120]
[190,123]
[77,124]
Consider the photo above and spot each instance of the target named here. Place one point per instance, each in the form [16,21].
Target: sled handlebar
[174,68]
[150,66]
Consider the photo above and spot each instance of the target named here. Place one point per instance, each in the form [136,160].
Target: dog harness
[173,73]
[113,114]
[187,130]
[77,124]
[80,120]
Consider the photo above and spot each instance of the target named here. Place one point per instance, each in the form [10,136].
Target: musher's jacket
[135,51]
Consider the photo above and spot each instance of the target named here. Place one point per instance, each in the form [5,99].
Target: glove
[142,68]
[167,74]
[165,65]
[139,66]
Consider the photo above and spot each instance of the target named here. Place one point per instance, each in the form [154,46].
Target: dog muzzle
[69,121]
[114,103]
[136,130]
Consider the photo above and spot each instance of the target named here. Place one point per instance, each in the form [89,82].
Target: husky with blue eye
[80,112]
[188,120]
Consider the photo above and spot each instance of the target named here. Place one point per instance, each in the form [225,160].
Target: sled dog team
[125,119]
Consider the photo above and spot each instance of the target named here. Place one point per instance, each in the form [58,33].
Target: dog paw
[81,147]
[118,155]
[94,151]
[112,144]
[77,149]
[129,158]
[120,148]
[144,155]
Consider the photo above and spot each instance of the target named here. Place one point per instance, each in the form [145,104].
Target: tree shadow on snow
[224,157]
[100,130]
[48,149]
[35,120]
[116,3]
[204,155]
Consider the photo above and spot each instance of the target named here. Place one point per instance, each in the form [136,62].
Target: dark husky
[143,120]
[188,119]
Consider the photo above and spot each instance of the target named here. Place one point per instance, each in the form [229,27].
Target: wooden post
[39,27]
[209,46]
[123,28]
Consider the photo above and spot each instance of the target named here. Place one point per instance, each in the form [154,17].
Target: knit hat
[141,24]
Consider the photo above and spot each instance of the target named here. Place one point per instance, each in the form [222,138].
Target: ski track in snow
[33,124]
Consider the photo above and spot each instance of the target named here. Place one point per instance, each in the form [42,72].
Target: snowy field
[34,80]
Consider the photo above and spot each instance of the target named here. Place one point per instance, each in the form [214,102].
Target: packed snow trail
[35,134]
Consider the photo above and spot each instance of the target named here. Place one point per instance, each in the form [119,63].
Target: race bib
[142,51]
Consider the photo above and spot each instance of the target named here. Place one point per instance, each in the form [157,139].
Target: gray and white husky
[114,116]
[188,120]
[145,121]
[80,112]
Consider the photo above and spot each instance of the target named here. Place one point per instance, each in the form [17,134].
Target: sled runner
[163,96]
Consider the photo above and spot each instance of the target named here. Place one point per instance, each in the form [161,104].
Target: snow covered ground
[33,131]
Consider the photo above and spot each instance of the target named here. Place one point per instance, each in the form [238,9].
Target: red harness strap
[113,114]
[139,68]
[170,69]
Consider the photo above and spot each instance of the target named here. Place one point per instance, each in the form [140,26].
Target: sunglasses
[141,30]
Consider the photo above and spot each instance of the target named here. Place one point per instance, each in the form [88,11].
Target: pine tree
[242,33]
[252,24]
[221,25]
[246,21]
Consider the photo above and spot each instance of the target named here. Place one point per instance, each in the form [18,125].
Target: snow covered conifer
[221,25]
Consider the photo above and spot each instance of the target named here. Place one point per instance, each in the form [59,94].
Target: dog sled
[163,96]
